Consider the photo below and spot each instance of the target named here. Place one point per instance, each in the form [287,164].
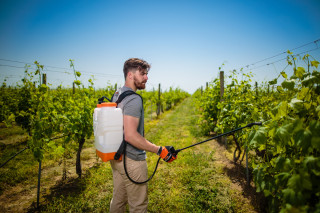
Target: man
[124,191]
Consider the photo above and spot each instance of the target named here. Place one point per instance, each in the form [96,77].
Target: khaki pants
[124,191]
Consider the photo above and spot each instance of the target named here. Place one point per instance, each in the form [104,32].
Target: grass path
[202,179]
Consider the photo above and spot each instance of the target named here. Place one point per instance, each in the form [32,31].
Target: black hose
[125,168]
[101,100]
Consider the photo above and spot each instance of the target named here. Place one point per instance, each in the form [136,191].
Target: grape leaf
[315,63]
[288,84]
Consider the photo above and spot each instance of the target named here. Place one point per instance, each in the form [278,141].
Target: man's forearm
[140,142]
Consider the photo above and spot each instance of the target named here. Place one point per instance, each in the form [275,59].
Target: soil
[236,172]
[23,197]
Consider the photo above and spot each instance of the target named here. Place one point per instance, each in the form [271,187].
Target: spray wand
[218,136]
[175,152]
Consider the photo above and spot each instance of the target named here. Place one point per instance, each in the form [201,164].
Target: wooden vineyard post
[222,139]
[44,78]
[257,91]
[161,105]
[159,101]
[221,85]
[74,88]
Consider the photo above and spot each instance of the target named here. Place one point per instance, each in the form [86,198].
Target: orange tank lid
[98,105]
[109,104]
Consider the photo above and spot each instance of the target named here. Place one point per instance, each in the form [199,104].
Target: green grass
[5,132]
[89,194]
[192,183]
[24,168]
[19,169]
[189,184]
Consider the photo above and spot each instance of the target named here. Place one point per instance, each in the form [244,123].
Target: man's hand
[167,153]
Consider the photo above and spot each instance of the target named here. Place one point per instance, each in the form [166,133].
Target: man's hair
[135,64]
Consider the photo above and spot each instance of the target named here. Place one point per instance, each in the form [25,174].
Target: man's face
[140,79]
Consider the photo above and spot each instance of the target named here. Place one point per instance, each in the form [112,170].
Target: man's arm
[132,136]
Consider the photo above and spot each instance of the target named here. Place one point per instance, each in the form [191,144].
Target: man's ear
[130,75]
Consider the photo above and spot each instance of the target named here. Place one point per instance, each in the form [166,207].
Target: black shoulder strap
[125,94]
[121,149]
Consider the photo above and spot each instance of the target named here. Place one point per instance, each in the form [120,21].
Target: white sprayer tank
[108,130]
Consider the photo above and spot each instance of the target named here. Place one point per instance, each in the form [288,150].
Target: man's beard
[139,85]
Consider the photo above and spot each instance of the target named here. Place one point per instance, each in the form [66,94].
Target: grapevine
[286,162]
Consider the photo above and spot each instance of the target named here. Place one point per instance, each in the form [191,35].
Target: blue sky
[185,41]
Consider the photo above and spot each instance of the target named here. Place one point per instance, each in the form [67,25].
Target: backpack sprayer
[109,138]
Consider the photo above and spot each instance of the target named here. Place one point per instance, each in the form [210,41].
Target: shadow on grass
[237,174]
[71,187]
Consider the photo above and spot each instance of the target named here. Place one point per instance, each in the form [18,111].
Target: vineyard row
[285,150]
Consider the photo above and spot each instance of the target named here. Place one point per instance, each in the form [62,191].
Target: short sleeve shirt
[132,105]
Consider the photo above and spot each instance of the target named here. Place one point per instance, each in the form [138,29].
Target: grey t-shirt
[132,105]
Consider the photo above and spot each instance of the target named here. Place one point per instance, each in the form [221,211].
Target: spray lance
[218,136]
[175,152]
